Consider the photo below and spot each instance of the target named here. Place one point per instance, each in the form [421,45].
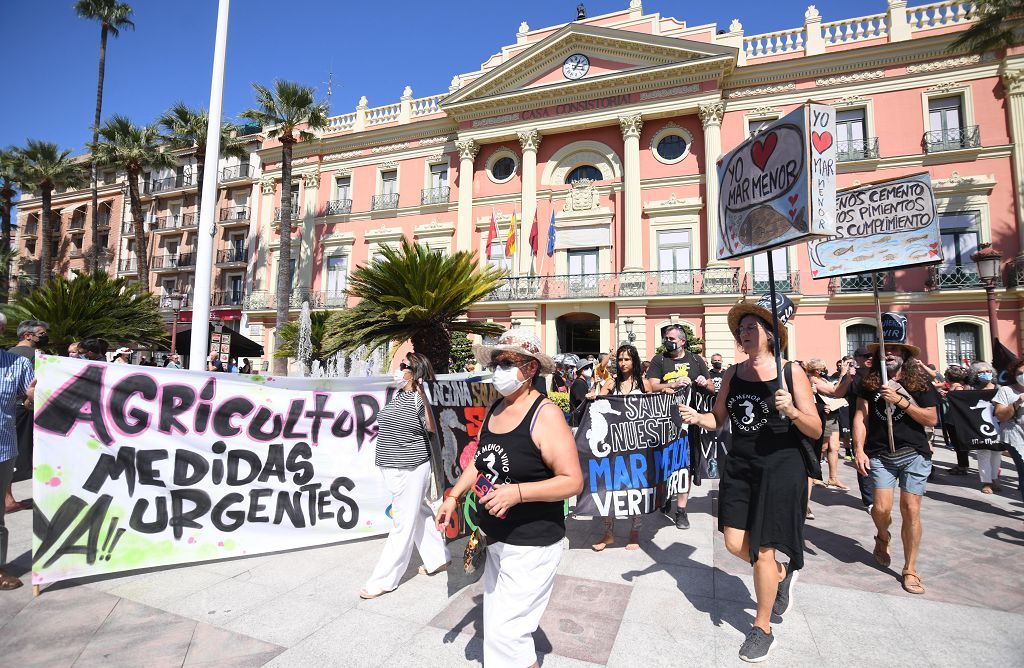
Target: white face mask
[588,373]
[1020,379]
[399,377]
[506,381]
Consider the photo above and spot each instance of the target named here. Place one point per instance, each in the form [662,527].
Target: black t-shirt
[662,365]
[716,377]
[906,431]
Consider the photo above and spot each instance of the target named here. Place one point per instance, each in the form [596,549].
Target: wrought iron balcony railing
[31,230]
[436,195]
[232,255]
[227,298]
[382,202]
[295,212]
[169,183]
[174,221]
[262,300]
[859,283]
[234,213]
[77,223]
[336,207]
[954,278]
[785,281]
[857,149]
[173,261]
[128,264]
[626,284]
[952,139]
[235,173]
[1017,273]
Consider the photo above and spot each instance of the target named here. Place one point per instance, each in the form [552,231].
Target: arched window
[859,336]
[963,343]
[584,172]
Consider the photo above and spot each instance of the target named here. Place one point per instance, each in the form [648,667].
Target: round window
[584,172]
[671,147]
[503,168]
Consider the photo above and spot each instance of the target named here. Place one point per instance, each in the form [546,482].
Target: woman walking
[528,454]
[403,455]
[628,380]
[763,493]
[956,378]
[1009,409]
[980,377]
[825,395]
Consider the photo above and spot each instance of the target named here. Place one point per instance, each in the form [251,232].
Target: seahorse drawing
[748,408]
[450,445]
[988,426]
[599,427]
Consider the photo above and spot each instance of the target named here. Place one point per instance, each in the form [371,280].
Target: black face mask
[670,346]
[716,365]
[43,339]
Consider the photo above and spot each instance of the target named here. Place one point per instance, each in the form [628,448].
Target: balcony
[128,265]
[785,281]
[1017,273]
[75,252]
[954,278]
[234,215]
[384,202]
[167,305]
[232,256]
[860,283]
[174,222]
[31,231]
[77,223]
[227,298]
[952,139]
[336,207]
[857,149]
[236,173]
[435,195]
[169,183]
[295,212]
[262,300]
[173,262]
[627,284]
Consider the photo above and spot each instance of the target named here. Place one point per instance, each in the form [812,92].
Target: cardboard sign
[779,187]
[880,226]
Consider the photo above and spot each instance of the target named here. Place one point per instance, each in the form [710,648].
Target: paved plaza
[680,600]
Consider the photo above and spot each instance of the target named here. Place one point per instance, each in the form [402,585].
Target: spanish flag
[510,243]
[492,234]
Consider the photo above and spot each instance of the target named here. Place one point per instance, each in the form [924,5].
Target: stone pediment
[612,54]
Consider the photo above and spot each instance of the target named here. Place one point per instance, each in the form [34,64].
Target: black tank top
[513,458]
[752,415]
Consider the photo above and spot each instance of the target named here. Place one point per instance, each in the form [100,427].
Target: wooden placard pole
[881,358]
[775,321]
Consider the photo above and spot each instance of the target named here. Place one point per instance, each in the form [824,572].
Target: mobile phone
[482,486]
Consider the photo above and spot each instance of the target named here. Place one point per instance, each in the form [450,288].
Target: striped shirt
[16,374]
[403,441]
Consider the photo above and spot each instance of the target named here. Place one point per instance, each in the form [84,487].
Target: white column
[632,238]
[464,232]
[530,141]
[311,184]
[711,118]
[1013,81]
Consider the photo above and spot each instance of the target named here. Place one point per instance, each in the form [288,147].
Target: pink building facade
[612,125]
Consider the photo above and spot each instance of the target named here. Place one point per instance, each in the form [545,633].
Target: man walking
[32,334]
[17,385]
[906,461]
[848,387]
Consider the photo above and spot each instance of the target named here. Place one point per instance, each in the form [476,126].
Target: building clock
[576,66]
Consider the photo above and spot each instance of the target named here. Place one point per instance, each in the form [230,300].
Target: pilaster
[305,260]
[529,140]
[468,150]
[631,127]
[1013,82]
[710,115]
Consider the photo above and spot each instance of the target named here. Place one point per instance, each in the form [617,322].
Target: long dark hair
[636,373]
[912,375]
[422,369]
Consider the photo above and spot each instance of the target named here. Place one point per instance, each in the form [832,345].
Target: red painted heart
[814,272]
[935,245]
[793,198]
[821,141]
[792,213]
[933,252]
[762,150]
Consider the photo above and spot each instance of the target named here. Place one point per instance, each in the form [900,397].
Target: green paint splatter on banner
[44,472]
[93,444]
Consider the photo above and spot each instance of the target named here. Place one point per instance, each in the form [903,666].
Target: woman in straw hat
[528,454]
[763,493]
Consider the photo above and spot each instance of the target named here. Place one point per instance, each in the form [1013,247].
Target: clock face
[576,66]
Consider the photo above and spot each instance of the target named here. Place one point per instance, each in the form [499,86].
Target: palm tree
[134,149]
[317,334]
[113,16]
[997,22]
[7,192]
[289,114]
[413,293]
[92,306]
[43,166]
[186,129]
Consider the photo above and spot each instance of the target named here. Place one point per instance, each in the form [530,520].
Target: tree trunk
[435,342]
[284,254]
[94,251]
[45,254]
[141,238]
[6,203]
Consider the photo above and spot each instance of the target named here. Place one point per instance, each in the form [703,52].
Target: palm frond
[116,15]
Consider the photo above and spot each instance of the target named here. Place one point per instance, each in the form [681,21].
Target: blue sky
[375,49]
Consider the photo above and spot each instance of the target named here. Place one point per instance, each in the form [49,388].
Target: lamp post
[988,260]
[628,323]
[175,300]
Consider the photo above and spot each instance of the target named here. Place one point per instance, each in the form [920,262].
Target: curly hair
[955,373]
[912,375]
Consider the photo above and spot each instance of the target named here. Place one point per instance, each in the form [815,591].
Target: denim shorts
[911,471]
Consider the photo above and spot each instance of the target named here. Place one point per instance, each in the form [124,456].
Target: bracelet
[904,407]
[520,488]
[450,494]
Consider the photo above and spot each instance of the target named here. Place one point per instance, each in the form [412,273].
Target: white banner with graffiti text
[137,467]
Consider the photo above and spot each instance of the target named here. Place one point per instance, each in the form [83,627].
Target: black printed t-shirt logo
[748,412]
[878,404]
[492,460]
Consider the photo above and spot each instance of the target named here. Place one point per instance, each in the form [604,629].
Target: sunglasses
[405,367]
[505,364]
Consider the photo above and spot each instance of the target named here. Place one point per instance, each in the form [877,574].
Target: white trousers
[517,586]
[988,465]
[414,525]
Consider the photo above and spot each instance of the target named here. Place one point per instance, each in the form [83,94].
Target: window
[584,172]
[343,188]
[108,177]
[105,211]
[962,341]
[946,126]
[583,272]
[503,168]
[76,244]
[292,274]
[671,147]
[959,234]
[780,259]
[674,259]
[389,182]
[167,286]
[104,240]
[859,336]
[337,279]
[172,248]
[438,176]
[944,114]
[237,247]
[30,246]
[852,142]
[235,289]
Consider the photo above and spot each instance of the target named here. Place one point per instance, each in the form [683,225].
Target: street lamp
[628,322]
[174,300]
[515,323]
[988,261]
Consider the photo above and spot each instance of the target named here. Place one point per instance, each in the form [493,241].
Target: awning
[240,346]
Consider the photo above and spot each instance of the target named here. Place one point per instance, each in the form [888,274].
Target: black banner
[629,445]
[972,415]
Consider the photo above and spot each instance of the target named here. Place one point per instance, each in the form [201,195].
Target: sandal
[836,485]
[9,582]
[881,552]
[912,583]
[365,595]
[608,539]
[986,489]
[422,570]
[634,540]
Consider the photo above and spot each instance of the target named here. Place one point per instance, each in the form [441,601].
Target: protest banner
[778,187]
[880,226]
[894,327]
[971,413]
[138,467]
[628,446]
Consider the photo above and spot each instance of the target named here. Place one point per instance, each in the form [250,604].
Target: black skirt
[766,496]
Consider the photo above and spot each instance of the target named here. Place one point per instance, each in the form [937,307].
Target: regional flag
[510,243]
[492,233]
[534,236]
[551,234]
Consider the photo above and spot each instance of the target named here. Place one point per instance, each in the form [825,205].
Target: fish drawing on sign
[764,224]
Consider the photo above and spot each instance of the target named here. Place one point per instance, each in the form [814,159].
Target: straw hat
[889,345]
[784,308]
[517,340]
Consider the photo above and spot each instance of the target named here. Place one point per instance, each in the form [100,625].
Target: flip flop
[607,540]
[366,596]
[422,570]
[912,583]
[881,552]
